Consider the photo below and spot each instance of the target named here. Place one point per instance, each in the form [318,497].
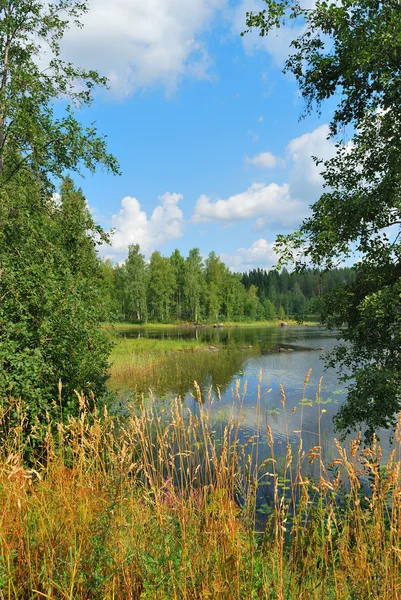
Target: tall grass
[167,504]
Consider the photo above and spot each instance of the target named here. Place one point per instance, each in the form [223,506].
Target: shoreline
[227,325]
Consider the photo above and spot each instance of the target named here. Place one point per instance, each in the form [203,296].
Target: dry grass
[164,505]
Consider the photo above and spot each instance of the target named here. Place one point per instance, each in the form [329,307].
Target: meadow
[166,504]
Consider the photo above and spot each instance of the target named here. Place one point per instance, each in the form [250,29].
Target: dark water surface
[259,359]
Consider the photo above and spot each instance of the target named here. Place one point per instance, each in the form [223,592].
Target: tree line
[178,288]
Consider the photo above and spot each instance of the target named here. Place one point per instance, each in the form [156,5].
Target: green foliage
[281,313]
[252,303]
[161,287]
[215,274]
[178,289]
[109,295]
[52,303]
[178,262]
[31,136]
[193,283]
[131,285]
[51,281]
[269,312]
[352,48]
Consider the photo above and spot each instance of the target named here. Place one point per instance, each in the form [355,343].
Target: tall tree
[161,287]
[178,263]
[269,311]
[351,49]
[51,299]
[31,136]
[234,296]
[214,277]
[120,291]
[107,284]
[194,283]
[50,309]
[135,284]
[252,304]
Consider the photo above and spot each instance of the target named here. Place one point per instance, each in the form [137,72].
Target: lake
[258,360]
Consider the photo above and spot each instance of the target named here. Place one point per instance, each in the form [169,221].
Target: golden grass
[164,505]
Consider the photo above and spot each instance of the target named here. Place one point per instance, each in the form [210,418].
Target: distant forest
[175,288]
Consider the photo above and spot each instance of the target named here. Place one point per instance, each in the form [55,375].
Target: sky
[205,126]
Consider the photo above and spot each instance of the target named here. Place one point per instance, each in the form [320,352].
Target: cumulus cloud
[133,226]
[271,201]
[272,204]
[260,254]
[138,43]
[306,181]
[266,205]
[265,160]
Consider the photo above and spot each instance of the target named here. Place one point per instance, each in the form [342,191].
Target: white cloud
[272,204]
[260,224]
[267,205]
[265,160]
[306,181]
[133,226]
[139,43]
[260,254]
[270,201]
[277,42]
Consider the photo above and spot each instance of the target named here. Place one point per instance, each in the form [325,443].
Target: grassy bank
[142,360]
[127,349]
[160,507]
[138,364]
[276,323]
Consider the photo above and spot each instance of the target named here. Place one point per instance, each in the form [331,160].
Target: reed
[166,503]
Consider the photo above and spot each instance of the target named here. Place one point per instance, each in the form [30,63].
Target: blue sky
[205,126]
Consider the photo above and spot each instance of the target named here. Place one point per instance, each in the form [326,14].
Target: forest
[191,289]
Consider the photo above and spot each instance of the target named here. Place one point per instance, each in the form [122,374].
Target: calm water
[268,356]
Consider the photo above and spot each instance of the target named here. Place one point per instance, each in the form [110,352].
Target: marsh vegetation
[174,503]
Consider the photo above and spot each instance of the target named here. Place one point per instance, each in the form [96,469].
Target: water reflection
[268,337]
[243,380]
